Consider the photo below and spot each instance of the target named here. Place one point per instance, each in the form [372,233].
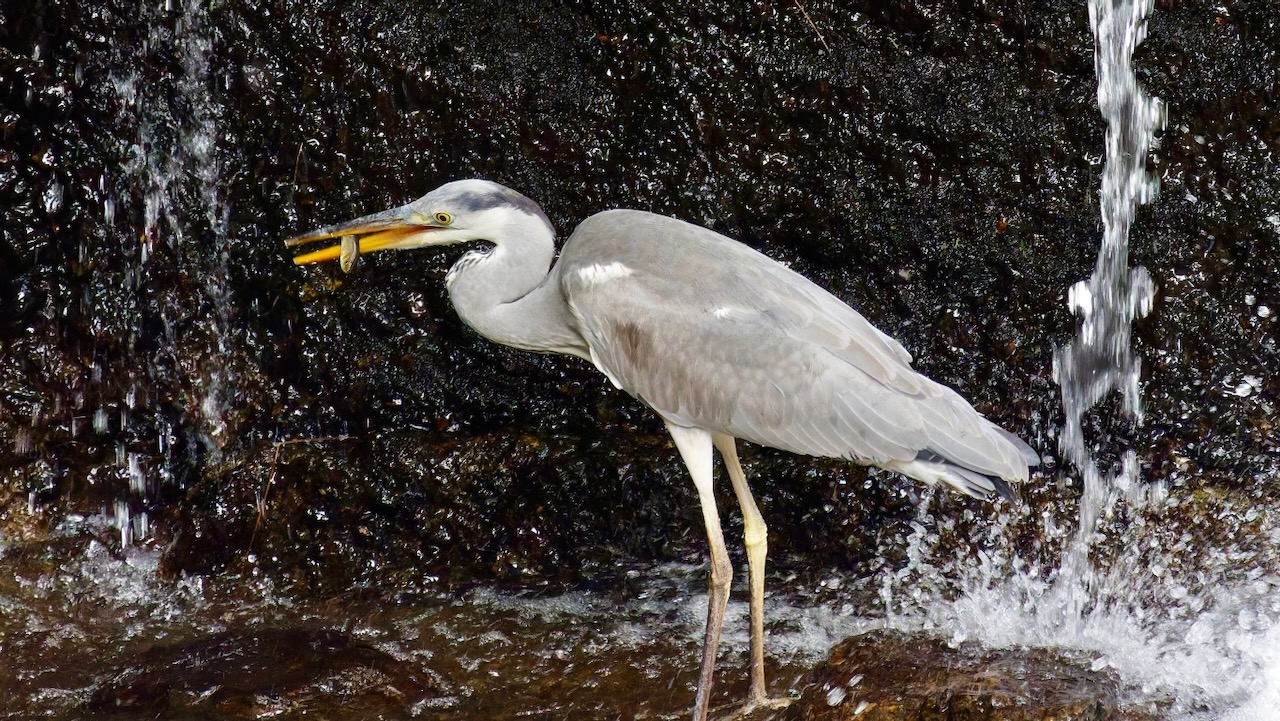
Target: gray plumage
[714,335]
[720,340]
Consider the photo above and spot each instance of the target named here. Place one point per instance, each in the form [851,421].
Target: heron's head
[457,212]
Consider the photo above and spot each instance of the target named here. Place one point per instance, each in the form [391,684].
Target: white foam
[1264,705]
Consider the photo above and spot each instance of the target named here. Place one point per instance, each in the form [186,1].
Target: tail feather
[931,468]
[1028,453]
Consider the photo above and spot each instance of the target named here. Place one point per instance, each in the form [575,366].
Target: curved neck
[509,293]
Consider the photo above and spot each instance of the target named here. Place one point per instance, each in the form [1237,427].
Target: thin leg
[755,536]
[695,446]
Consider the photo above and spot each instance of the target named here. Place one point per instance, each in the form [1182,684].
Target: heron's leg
[695,447]
[755,536]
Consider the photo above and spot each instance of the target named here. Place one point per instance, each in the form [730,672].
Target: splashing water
[1191,626]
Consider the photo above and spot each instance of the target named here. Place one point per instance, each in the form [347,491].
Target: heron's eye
[443,218]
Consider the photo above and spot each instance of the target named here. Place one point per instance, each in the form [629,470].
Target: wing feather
[714,335]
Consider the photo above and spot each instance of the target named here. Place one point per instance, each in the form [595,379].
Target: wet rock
[936,169]
[890,676]
[412,510]
[265,672]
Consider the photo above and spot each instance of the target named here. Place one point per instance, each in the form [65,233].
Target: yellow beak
[379,231]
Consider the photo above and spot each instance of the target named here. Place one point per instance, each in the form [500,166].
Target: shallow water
[75,617]
[73,624]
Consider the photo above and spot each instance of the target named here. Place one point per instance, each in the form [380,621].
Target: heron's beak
[380,231]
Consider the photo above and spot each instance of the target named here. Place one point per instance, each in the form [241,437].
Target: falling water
[1101,360]
[173,168]
[1067,607]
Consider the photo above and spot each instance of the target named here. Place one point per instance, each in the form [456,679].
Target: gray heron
[721,341]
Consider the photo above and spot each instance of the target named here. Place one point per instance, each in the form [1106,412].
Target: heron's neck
[507,294]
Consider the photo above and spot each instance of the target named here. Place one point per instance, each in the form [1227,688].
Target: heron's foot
[756,707]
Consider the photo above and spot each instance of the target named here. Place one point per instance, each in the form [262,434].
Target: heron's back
[713,334]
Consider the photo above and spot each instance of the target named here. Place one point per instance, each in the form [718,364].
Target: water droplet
[123,523]
[53,198]
[1080,299]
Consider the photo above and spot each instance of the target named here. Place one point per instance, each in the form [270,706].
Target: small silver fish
[349,258]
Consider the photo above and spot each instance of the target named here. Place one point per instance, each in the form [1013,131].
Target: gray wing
[714,335]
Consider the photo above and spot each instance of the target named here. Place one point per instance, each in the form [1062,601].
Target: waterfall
[172,171]
[1101,359]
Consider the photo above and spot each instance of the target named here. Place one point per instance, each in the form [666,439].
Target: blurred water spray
[173,170]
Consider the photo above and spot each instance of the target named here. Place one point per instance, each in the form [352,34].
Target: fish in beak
[395,228]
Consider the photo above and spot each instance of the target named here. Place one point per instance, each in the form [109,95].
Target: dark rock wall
[936,164]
